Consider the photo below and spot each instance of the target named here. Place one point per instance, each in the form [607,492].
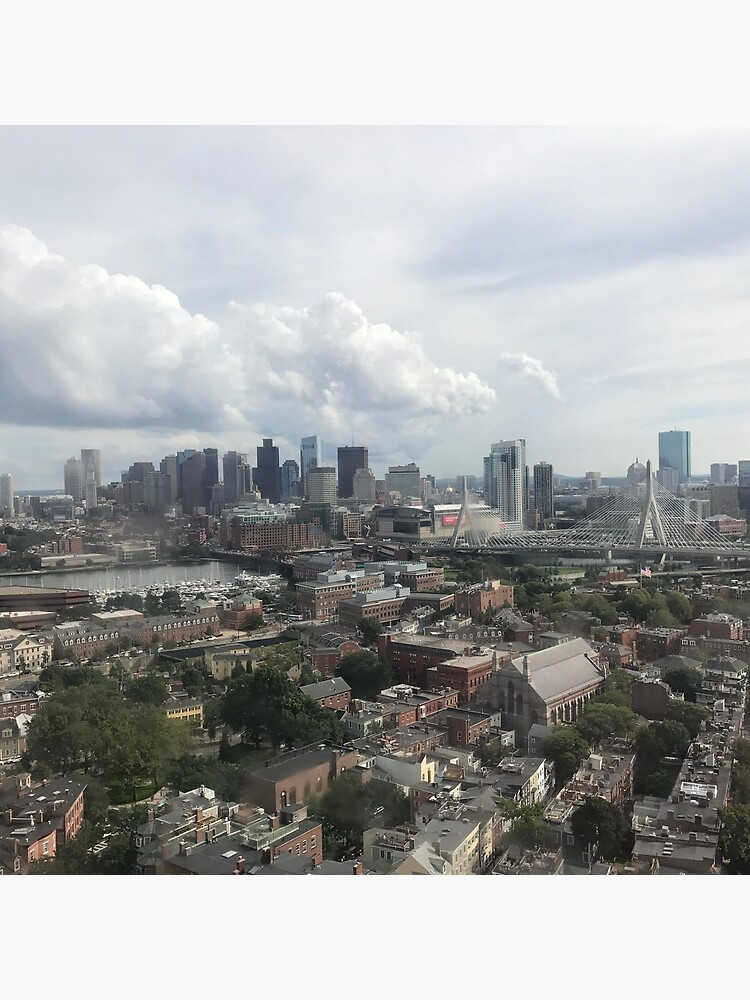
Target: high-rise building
[364,485]
[157,490]
[321,484]
[168,467]
[74,481]
[350,458]
[6,495]
[267,473]
[404,480]
[674,452]
[194,493]
[289,479]
[722,473]
[234,463]
[309,458]
[743,473]
[90,487]
[505,481]
[212,468]
[92,456]
[544,496]
[669,479]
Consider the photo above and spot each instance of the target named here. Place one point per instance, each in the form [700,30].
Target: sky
[424,291]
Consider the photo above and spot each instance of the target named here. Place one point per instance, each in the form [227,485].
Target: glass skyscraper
[674,452]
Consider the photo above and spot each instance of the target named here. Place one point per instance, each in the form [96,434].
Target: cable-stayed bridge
[645,520]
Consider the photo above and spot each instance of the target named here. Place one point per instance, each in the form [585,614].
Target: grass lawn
[120,795]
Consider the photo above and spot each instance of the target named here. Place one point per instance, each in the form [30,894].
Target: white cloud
[532,368]
[85,348]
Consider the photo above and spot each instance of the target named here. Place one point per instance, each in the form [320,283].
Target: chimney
[275,821]
[357,868]
[240,866]
[525,666]
[267,856]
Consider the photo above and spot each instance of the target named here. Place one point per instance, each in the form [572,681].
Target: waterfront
[131,577]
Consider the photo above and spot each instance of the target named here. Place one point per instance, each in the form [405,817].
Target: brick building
[20,700]
[297,774]
[381,606]
[477,600]
[464,673]
[333,693]
[81,640]
[653,643]
[320,598]
[173,628]
[411,655]
[717,626]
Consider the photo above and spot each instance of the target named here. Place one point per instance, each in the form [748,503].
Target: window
[45,847]
[313,842]
[304,847]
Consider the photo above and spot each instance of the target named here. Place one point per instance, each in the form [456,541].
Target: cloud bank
[84,348]
[532,368]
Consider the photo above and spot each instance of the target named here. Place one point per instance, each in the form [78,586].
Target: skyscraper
[364,485]
[405,480]
[543,489]
[6,495]
[168,467]
[89,486]
[351,458]
[321,484]
[92,456]
[267,473]
[212,468]
[194,493]
[234,480]
[674,452]
[309,458]
[289,479]
[505,481]
[74,479]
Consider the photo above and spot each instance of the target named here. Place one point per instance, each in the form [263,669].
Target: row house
[13,730]
[81,640]
[333,693]
[152,632]
[20,700]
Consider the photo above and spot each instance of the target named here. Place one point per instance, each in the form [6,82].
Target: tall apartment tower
[543,489]
[267,473]
[505,481]
[6,495]
[309,458]
[93,457]
[321,484]
[74,481]
[404,479]
[350,458]
[674,452]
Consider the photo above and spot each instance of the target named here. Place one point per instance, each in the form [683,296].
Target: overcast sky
[422,291]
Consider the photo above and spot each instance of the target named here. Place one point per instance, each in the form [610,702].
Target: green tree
[369,630]
[691,716]
[604,827]
[365,673]
[656,745]
[345,810]
[528,828]
[566,748]
[680,607]
[734,838]
[599,720]
[661,618]
[620,680]
[684,680]
[147,689]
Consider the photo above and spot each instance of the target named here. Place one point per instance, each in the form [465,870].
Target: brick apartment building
[320,598]
[464,673]
[382,606]
[717,626]
[411,655]
[20,700]
[33,826]
[477,600]
[81,640]
[333,693]
[297,774]
[173,628]
[653,643]
[465,727]
[282,536]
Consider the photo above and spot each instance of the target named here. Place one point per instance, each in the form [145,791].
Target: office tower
[90,487]
[743,473]
[504,480]
[234,464]
[721,473]
[168,467]
[138,471]
[364,485]
[212,467]
[309,458]
[182,457]
[543,489]
[74,481]
[289,479]
[674,452]
[404,480]
[92,456]
[6,495]
[321,484]
[193,474]
[669,479]
[157,490]
[267,474]
[350,458]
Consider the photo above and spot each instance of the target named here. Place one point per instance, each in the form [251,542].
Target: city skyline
[566,294]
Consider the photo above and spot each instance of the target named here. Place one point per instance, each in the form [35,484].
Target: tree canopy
[566,748]
[683,680]
[734,838]
[604,826]
[365,673]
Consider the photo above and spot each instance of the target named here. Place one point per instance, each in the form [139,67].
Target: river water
[131,577]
